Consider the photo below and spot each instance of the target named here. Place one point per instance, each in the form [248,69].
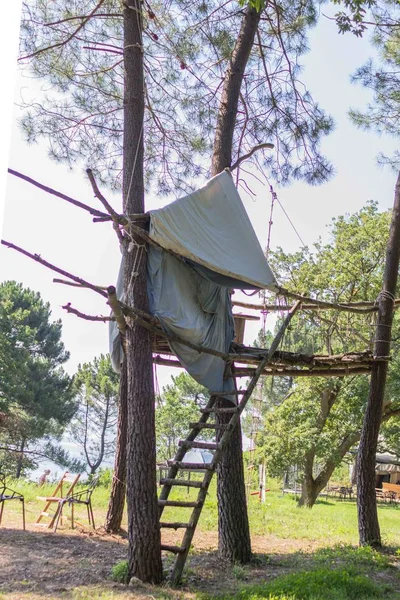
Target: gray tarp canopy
[210,229]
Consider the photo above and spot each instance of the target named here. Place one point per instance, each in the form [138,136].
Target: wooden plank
[174,549]
[180,503]
[181,482]
[208,426]
[182,466]
[202,445]
[234,409]
[175,525]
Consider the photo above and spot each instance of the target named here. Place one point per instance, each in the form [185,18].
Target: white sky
[66,236]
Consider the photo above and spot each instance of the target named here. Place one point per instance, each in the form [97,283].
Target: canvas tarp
[210,229]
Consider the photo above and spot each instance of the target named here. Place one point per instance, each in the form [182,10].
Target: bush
[119,572]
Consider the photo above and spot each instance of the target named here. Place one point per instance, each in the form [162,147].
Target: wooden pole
[368,524]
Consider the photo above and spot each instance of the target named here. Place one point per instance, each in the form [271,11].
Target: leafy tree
[36,396]
[319,420]
[93,426]
[382,77]
[178,406]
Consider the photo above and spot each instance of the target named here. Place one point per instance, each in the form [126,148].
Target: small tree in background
[94,425]
[36,395]
[178,406]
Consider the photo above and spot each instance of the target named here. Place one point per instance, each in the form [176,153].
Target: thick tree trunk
[118,486]
[143,523]
[234,541]
[309,492]
[368,524]
[233,525]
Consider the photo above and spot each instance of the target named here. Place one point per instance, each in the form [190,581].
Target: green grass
[321,584]
[331,519]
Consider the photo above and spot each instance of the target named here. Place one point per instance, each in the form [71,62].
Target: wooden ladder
[178,463]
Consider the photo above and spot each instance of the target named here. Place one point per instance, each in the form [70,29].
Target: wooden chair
[82,497]
[7,493]
[67,483]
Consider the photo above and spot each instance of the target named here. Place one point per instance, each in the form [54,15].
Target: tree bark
[118,487]
[20,459]
[234,542]
[144,553]
[227,112]
[368,524]
[233,525]
[312,487]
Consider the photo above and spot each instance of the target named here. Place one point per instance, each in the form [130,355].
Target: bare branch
[114,215]
[118,314]
[50,190]
[82,315]
[249,154]
[39,259]
[73,284]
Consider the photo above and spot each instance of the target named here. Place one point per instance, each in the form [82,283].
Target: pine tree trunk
[234,542]
[368,524]
[233,525]
[144,554]
[118,486]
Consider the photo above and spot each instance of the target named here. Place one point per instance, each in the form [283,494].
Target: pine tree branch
[78,18]
[69,38]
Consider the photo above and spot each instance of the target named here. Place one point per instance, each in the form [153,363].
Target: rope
[385,295]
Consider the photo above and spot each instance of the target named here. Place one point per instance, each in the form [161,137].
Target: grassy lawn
[300,554]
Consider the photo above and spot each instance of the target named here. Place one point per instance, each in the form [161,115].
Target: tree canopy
[318,420]
[187,49]
[36,394]
[382,75]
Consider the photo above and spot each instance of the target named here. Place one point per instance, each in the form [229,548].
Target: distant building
[387,469]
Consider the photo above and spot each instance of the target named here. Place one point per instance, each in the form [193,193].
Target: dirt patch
[76,565]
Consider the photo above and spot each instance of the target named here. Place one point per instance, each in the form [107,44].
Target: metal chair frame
[82,497]
[6,493]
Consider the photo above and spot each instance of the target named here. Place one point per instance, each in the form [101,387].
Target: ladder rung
[208,426]
[183,466]
[233,409]
[204,445]
[176,525]
[233,393]
[182,482]
[174,549]
[179,503]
